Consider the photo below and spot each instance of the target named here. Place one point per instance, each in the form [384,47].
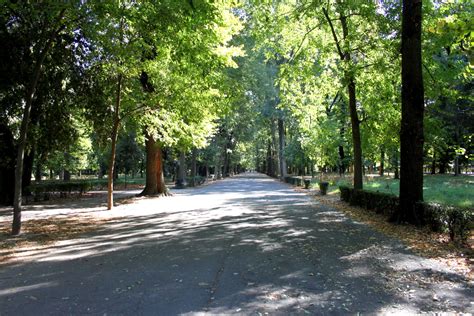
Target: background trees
[283,87]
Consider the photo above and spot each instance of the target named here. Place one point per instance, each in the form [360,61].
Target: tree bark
[30,94]
[269,164]
[274,154]
[27,171]
[155,180]
[382,162]
[456,165]
[38,171]
[281,148]
[181,177]
[356,142]
[115,127]
[411,133]
[193,168]
[225,171]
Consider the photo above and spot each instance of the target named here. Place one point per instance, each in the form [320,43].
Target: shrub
[439,218]
[346,193]
[63,188]
[443,218]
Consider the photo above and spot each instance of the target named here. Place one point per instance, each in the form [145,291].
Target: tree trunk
[342,167]
[115,127]
[155,180]
[274,154]
[193,168]
[66,175]
[225,168]
[411,133]
[351,89]
[38,171]
[218,168]
[281,151]
[456,165]
[269,170]
[356,143]
[28,161]
[30,94]
[181,177]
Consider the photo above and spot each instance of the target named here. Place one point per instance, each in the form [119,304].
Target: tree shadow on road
[268,250]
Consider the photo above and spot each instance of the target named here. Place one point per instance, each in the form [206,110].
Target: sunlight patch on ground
[27,288]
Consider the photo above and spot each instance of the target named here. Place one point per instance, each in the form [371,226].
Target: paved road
[246,245]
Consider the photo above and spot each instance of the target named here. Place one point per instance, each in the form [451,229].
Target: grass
[444,189]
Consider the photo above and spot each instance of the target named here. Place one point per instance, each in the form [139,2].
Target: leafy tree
[40,27]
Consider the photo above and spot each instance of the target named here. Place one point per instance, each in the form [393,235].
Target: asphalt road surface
[246,245]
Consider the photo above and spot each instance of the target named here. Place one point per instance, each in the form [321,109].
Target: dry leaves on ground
[40,232]
[420,240]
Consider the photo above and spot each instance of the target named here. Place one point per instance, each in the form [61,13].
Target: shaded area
[245,245]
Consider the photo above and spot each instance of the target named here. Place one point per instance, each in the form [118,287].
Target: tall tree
[343,46]
[45,22]
[411,133]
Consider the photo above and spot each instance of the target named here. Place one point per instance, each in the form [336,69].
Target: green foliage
[130,156]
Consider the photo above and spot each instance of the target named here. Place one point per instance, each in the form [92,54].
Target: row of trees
[287,86]
[77,75]
[343,85]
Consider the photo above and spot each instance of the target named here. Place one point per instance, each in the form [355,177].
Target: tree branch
[302,41]
[329,108]
[326,14]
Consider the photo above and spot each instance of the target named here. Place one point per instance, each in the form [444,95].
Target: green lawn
[443,189]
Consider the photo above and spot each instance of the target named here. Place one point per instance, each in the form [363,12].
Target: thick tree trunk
[281,148]
[155,181]
[27,171]
[411,134]
[115,127]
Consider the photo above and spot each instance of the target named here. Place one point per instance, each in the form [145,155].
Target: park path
[246,245]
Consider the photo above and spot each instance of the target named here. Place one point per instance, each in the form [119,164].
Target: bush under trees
[439,218]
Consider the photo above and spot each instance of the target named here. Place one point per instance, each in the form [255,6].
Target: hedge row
[440,218]
[44,190]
